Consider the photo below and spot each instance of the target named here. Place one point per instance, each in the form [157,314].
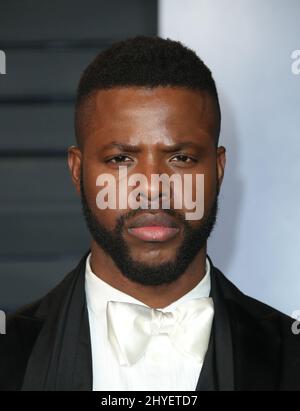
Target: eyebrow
[180,146]
[135,149]
[122,147]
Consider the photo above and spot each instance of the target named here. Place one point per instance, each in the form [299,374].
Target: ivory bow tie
[131,326]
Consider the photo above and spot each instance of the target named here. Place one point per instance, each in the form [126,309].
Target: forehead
[160,111]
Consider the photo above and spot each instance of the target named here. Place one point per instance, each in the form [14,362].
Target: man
[146,309]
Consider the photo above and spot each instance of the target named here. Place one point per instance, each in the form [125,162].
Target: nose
[150,190]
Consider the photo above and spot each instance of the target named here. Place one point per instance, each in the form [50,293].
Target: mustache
[139,211]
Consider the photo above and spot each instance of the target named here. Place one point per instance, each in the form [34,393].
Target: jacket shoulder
[266,321]
[22,329]
[249,304]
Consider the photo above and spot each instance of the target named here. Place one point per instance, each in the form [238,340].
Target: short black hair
[147,62]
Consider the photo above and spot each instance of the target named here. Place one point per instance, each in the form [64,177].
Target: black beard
[112,242]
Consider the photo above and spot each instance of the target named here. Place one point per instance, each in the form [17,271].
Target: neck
[158,296]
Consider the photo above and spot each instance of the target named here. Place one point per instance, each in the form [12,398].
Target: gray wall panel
[36,127]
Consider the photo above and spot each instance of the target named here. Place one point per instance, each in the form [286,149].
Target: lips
[156,227]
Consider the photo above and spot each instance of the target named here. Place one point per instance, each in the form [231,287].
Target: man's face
[150,131]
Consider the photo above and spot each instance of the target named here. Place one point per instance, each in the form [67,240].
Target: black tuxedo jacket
[47,344]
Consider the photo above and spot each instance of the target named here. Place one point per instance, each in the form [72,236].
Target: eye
[183,158]
[118,159]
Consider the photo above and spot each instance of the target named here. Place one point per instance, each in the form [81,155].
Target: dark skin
[165,130]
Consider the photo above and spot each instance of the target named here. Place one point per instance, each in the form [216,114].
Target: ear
[221,161]
[74,163]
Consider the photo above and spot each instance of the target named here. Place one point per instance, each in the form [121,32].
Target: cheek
[107,217]
[210,189]
[210,182]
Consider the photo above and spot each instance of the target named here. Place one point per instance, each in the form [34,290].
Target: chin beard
[113,243]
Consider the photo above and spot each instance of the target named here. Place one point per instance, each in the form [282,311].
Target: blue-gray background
[248,45]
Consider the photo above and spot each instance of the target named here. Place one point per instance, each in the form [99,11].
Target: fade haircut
[146,62]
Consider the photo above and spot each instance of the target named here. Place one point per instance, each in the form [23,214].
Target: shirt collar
[99,292]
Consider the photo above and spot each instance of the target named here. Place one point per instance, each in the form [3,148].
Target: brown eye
[183,158]
[118,159]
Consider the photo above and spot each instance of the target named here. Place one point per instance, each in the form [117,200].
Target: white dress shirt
[162,368]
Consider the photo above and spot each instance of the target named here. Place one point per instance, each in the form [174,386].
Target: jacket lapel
[256,344]
[61,357]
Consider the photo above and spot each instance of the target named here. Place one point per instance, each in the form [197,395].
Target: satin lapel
[63,346]
[208,379]
[218,371]
[223,337]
